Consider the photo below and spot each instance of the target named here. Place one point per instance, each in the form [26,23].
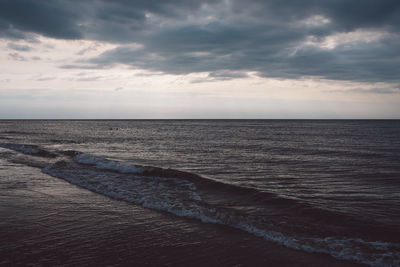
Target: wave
[192,196]
[181,197]
[105,164]
[32,150]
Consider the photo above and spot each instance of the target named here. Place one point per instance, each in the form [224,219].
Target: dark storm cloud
[368,62]
[344,14]
[115,20]
[224,38]
[50,18]
[205,48]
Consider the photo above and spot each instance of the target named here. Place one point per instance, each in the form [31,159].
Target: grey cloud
[227,75]
[219,36]
[207,48]
[220,76]
[89,79]
[82,66]
[47,78]
[50,18]
[126,21]
[17,57]
[376,90]
[19,47]
[147,74]
[368,62]
[115,21]
[344,15]
[92,47]
[368,13]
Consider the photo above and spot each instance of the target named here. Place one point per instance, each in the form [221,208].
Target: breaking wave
[105,164]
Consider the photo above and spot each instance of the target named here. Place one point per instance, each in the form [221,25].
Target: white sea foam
[180,197]
[354,249]
[105,164]
[169,194]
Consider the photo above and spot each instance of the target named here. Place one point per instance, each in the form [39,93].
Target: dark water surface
[326,187]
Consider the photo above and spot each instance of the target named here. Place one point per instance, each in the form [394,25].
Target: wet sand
[47,221]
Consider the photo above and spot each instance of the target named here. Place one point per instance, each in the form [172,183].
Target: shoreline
[47,221]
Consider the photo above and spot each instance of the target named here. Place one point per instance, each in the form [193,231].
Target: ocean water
[317,186]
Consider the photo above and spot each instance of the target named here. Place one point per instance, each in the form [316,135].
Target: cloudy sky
[200,59]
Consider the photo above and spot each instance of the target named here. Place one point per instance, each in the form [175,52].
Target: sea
[315,187]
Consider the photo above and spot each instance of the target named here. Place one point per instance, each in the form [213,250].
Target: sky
[150,59]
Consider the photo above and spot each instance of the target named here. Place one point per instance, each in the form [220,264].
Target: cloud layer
[333,39]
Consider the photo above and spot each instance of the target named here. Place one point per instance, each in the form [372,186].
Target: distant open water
[318,186]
